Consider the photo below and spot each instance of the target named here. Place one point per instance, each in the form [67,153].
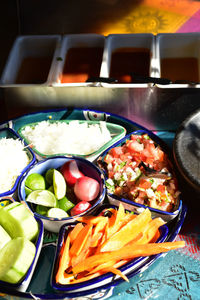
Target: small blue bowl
[129,204]
[87,167]
[9,133]
[105,279]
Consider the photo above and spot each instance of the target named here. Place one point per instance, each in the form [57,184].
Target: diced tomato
[161,188]
[144,184]
[116,151]
[135,146]
[136,137]
[108,158]
[111,174]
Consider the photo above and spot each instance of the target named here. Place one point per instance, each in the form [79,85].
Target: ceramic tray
[40,287]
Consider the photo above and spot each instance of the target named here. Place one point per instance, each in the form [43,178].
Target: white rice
[13,159]
[73,138]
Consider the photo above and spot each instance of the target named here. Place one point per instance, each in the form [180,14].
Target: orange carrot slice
[126,252]
[81,240]
[75,231]
[151,231]
[127,233]
[116,271]
[64,262]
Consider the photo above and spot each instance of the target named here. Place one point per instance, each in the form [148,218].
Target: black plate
[186,149]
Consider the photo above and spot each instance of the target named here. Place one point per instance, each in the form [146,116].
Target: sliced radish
[86,188]
[71,172]
[80,207]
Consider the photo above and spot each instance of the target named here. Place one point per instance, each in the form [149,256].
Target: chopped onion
[13,159]
[73,138]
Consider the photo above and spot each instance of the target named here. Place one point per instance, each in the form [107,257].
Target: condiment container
[127,56]
[79,59]
[30,60]
[178,59]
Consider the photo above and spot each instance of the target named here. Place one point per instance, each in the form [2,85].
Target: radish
[80,207]
[71,172]
[86,188]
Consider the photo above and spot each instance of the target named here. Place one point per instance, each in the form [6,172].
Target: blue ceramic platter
[40,284]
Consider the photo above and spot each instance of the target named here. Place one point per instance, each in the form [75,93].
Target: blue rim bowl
[87,167]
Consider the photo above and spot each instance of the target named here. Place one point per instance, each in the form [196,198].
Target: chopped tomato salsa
[139,170]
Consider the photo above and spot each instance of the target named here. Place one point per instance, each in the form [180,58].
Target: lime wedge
[65,204]
[51,189]
[49,176]
[59,184]
[35,181]
[42,197]
[27,190]
[57,213]
[41,210]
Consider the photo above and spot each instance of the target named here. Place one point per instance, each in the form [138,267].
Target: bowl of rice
[50,213]
[15,159]
[81,138]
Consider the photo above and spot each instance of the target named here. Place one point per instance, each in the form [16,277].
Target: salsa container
[129,204]
[79,42]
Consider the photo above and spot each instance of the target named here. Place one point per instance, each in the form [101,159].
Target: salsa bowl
[139,174]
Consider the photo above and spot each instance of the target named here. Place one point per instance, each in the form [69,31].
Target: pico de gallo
[139,170]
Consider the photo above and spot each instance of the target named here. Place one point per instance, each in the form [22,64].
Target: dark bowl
[186,150]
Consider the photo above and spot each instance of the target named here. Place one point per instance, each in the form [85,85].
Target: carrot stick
[64,262]
[81,240]
[151,231]
[126,252]
[116,271]
[75,231]
[127,233]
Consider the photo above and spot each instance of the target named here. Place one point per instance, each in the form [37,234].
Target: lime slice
[27,190]
[42,197]
[57,213]
[65,204]
[59,184]
[49,176]
[35,181]
[41,210]
[51,189]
